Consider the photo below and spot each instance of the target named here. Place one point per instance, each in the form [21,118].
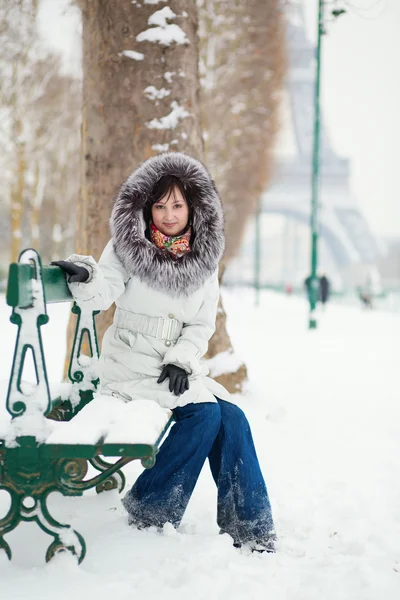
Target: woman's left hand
[75,273]
[178,379]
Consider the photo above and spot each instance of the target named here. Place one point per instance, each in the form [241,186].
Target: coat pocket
[126,336]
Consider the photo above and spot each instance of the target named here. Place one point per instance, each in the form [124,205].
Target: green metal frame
[30,471]
[26,340]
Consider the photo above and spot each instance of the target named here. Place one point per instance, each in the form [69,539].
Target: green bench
[47,443]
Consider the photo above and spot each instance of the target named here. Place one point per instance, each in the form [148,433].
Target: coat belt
[158,327]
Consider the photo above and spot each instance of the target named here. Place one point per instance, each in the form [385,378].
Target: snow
[171,120]
[162,32]
[31,423]
[105,417]
[168,75]
[224,362]
[325,415]
[132,54]
[152,93]
[160,17]
[160,148]
[138,422]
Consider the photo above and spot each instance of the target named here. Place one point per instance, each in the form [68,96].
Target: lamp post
[313,287]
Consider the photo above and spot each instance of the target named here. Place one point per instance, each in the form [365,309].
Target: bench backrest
[30,287]
[20,289]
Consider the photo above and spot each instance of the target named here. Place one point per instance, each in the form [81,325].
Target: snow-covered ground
[325,412]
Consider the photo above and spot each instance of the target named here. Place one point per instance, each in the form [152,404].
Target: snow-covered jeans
[221,432]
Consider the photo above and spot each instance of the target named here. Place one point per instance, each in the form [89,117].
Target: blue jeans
[222,433]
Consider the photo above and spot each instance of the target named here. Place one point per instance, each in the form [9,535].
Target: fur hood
[142,258]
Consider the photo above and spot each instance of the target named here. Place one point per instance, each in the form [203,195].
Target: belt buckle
[161,329]
[167,329]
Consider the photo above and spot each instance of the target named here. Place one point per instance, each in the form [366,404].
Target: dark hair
[165,186]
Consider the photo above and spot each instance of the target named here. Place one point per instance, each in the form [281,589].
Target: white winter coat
[131,362]
[145,281]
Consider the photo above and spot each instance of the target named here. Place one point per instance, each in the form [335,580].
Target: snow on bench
[57,390]
[114,421]
[105,419]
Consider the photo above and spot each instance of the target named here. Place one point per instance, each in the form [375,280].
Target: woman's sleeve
[193,341]
[107,279]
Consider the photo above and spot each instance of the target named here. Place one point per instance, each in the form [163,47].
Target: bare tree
[242,67]
[243,63]
[54,117]
[19,52]
[40,109]
[56,164]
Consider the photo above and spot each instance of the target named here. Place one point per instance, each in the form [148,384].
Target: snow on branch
[162,32]
[169,121]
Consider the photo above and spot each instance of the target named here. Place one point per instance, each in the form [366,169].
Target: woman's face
[171,213]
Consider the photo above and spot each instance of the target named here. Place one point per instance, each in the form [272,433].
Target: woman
[161,270]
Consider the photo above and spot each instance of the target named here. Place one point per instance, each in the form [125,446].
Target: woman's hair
[165,186]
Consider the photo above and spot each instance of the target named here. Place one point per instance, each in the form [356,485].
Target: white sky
[361,101]
[360,93]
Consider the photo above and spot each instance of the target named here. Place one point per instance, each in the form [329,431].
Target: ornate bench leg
[9,522]
[65,538]
[29,477]
[116,481]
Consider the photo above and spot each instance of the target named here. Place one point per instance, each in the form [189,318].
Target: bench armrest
[19,285]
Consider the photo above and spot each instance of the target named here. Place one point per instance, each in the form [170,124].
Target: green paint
[19,285]
[314,283]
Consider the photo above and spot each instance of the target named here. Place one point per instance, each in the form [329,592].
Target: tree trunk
[140,97]
[242,58]
[220,348]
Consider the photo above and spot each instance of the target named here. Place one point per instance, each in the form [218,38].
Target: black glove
[75,273]
[178,379]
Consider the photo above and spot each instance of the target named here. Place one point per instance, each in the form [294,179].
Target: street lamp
[313,280]
[313,285]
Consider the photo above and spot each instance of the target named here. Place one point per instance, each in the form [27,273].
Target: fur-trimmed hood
[142,258]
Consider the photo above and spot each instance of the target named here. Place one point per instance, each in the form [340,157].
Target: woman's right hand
[75,273]
[178,379]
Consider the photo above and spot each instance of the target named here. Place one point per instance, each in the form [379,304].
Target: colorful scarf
[178,245]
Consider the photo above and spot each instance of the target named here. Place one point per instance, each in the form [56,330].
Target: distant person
[365,297]
[307,285]
[289,289]
[367,292]
[324,289]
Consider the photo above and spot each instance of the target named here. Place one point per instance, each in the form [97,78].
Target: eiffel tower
[344,232]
